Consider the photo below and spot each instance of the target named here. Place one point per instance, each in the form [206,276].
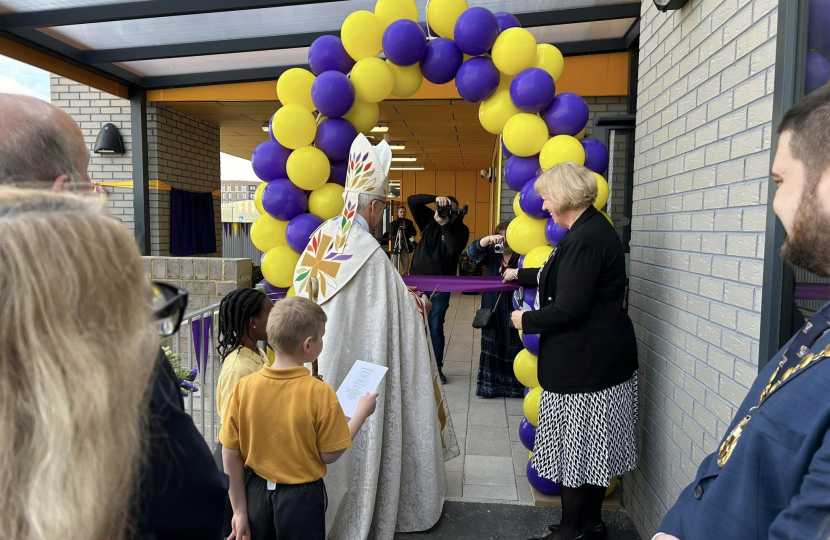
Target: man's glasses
[169,304]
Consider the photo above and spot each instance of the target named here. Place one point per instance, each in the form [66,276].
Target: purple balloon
[532,90]
[475,31]
[542,485]
[332,94]
[531,343]
[328,54]
[507,20]
[441,61]
[269,159]
[335,137]
[554,233]
[521,262]
[527,433]
[818,35]
[531,202]
[299,231]
[283,200]
[596,155]
[527,390]
[477,79]
[404,42]
[519,170]
[274,293]
[516,305]
[428,30]
[507,154]
[271,128]
[530,297]
[567,115]
[817,71]
[338,172]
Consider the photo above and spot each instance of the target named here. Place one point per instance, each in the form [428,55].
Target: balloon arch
[494,62]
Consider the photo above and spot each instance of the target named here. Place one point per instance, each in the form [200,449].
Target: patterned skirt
[587,438]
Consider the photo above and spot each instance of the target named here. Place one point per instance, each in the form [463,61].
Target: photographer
[443,238]
[401,248]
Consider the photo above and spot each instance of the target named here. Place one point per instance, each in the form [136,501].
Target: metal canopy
[173,43]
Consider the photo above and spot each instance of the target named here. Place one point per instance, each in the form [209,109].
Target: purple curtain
[192,223]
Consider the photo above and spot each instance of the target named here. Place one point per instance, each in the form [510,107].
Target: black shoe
[442,376]
[597,532]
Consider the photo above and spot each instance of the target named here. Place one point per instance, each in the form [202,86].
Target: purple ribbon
[201,346]
[812,291]
[458,284]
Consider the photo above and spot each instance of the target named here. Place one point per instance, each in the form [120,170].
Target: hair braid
[235,311]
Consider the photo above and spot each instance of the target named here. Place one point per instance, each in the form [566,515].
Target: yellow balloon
[308,168]
[581,134]
[524,367]
[612,486]
[268,233]
[294,88]
[442,15]
[294,126]
[525,134]
[363,115]
[602,192]
[525,233]
[408,79]
[550,59]
[531,403]
[258,197]
[326,202]
[536,258]
[362,35]
[530,454]
[372,79]
[495,111]
[278,266]
[514,51]
[291,292]
[271,356]
[517,209]
[561,149]
[389,11]
[611,221]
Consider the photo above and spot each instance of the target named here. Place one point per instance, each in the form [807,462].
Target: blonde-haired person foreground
[76,351]
[587,354]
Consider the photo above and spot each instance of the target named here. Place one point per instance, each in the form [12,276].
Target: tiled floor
[492,461]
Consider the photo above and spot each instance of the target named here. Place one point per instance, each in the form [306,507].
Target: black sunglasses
[169,304]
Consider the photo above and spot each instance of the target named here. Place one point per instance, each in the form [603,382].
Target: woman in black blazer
[587,354]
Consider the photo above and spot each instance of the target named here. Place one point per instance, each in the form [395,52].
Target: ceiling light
[265,127]
[410,168]
[380,128]
[397,146]
[404,158]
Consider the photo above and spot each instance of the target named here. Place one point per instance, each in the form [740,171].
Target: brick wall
[183,153]
[597,106]
[205,280]
[91,109]
[704,109]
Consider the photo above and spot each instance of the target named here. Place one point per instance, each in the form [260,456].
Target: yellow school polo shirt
[280,420]
[241,362]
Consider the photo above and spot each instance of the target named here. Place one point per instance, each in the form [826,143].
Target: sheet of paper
[363,377]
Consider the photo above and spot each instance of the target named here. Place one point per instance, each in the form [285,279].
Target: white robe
[393,477]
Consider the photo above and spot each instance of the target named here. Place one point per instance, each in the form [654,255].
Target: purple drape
[192,223]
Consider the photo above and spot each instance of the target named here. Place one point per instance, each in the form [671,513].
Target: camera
[445,212]
[499,248]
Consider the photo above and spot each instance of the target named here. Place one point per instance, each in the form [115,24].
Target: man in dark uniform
[771,476]
[406,229]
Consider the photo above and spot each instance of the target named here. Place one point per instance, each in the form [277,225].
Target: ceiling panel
[7,6]
[217,62]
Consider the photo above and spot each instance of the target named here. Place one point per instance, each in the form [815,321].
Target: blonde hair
[293,320]
[568,186]
[76,353]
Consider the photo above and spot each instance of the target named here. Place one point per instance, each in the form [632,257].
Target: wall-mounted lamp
[108,141]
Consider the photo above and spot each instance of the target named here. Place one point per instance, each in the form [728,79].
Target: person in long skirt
[500,344]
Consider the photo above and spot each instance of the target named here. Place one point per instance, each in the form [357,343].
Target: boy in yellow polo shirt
[284,426]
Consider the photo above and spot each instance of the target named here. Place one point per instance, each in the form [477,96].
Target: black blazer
[586,341]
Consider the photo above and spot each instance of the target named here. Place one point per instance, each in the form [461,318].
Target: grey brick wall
[183,153]
[597,106]
[91,109]
[704,109]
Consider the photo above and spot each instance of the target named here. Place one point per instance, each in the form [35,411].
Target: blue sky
[19,78]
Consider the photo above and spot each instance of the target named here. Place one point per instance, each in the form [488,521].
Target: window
[251,188]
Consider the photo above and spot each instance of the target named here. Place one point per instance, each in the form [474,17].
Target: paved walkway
[492,461]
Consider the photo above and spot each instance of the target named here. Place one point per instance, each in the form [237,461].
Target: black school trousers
[287,512]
